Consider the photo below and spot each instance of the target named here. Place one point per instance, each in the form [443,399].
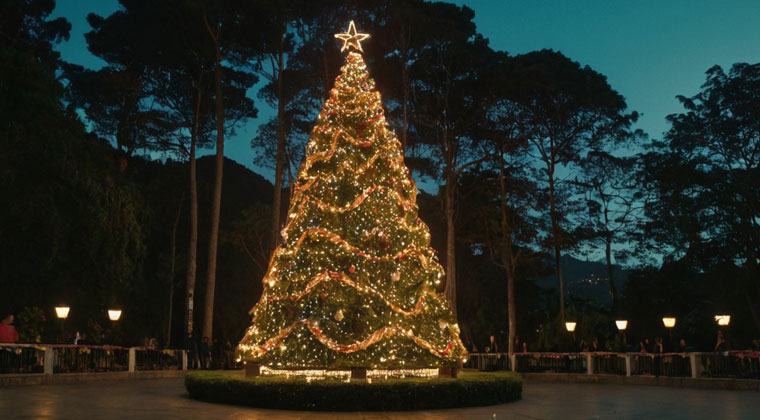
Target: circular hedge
[468,390]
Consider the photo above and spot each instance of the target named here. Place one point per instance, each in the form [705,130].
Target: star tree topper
[351,38]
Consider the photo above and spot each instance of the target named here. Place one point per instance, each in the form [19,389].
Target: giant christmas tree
[354,281]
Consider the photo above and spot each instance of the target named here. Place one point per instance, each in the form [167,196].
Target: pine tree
[353,283]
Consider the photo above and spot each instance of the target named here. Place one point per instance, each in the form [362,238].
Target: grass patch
[468,390]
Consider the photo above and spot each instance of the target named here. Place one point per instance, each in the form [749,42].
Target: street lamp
[62,312]
[723,320]
[114,314]
[669,322]
[621,325]
[570,327]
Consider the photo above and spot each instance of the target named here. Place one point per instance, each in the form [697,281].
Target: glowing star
[351,38]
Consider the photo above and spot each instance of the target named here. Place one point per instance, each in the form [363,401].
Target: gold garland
[341,277]
[336,239]
[375,337]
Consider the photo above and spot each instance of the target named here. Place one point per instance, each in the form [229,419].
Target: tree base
[469,389]
[252,369]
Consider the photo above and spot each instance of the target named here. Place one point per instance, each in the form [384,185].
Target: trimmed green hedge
[468,390]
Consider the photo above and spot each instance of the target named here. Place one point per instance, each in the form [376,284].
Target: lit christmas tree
[353,283]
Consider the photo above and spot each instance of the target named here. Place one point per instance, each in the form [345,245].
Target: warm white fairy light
[354,281]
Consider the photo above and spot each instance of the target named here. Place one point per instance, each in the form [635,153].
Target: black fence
[551,362]
[21,359]
[734,364]
[155,359]
[58,358]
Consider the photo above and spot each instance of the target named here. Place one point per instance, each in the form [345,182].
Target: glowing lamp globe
[621,324]
[114,314]
[62,311]
[723,320]
[669,321]
[570,326]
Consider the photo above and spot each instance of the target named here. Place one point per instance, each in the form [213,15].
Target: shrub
[468,390]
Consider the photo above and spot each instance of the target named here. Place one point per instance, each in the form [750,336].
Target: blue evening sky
[650,50]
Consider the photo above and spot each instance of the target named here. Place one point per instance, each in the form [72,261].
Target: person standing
[492,346]
[205,353]
[191,345]
[658,351]
[720,344]
[229,353]
[8,333]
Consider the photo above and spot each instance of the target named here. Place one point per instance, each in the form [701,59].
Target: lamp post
[621,325]
[570,326]
[62,312]
[669,322]
[114,315]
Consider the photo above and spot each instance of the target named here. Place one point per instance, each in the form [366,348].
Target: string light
[353,283]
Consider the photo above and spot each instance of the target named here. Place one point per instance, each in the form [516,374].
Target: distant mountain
[586,280]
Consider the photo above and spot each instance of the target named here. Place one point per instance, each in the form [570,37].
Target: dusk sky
[650,50]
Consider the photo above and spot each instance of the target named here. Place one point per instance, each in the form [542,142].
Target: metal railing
[739,365]
[733,364]
[488,361]
[550,362]
[21,358]
[52,359]
[62,358]
[74,358]
[156,359]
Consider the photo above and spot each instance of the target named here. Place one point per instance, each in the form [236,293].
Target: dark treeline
[105,203]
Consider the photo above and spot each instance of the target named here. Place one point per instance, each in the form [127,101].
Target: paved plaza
[167,399]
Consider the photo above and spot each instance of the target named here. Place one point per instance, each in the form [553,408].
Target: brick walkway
[167,399]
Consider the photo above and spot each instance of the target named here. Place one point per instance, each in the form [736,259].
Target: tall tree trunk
[451,266]
[278,172]
[208,311]
[168,340]
[557,247]
[507,258]
[193,243]
[608,256]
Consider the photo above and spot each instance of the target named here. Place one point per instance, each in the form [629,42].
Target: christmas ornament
[339,315]
[396,276]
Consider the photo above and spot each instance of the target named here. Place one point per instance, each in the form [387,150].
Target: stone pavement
[167,399]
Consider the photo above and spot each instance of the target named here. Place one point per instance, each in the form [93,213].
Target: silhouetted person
[8,333]
[658,351]
[229,353]
[205,353]
[191,346]
[644,346]
[720,343]
[492,346]
[595,345]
